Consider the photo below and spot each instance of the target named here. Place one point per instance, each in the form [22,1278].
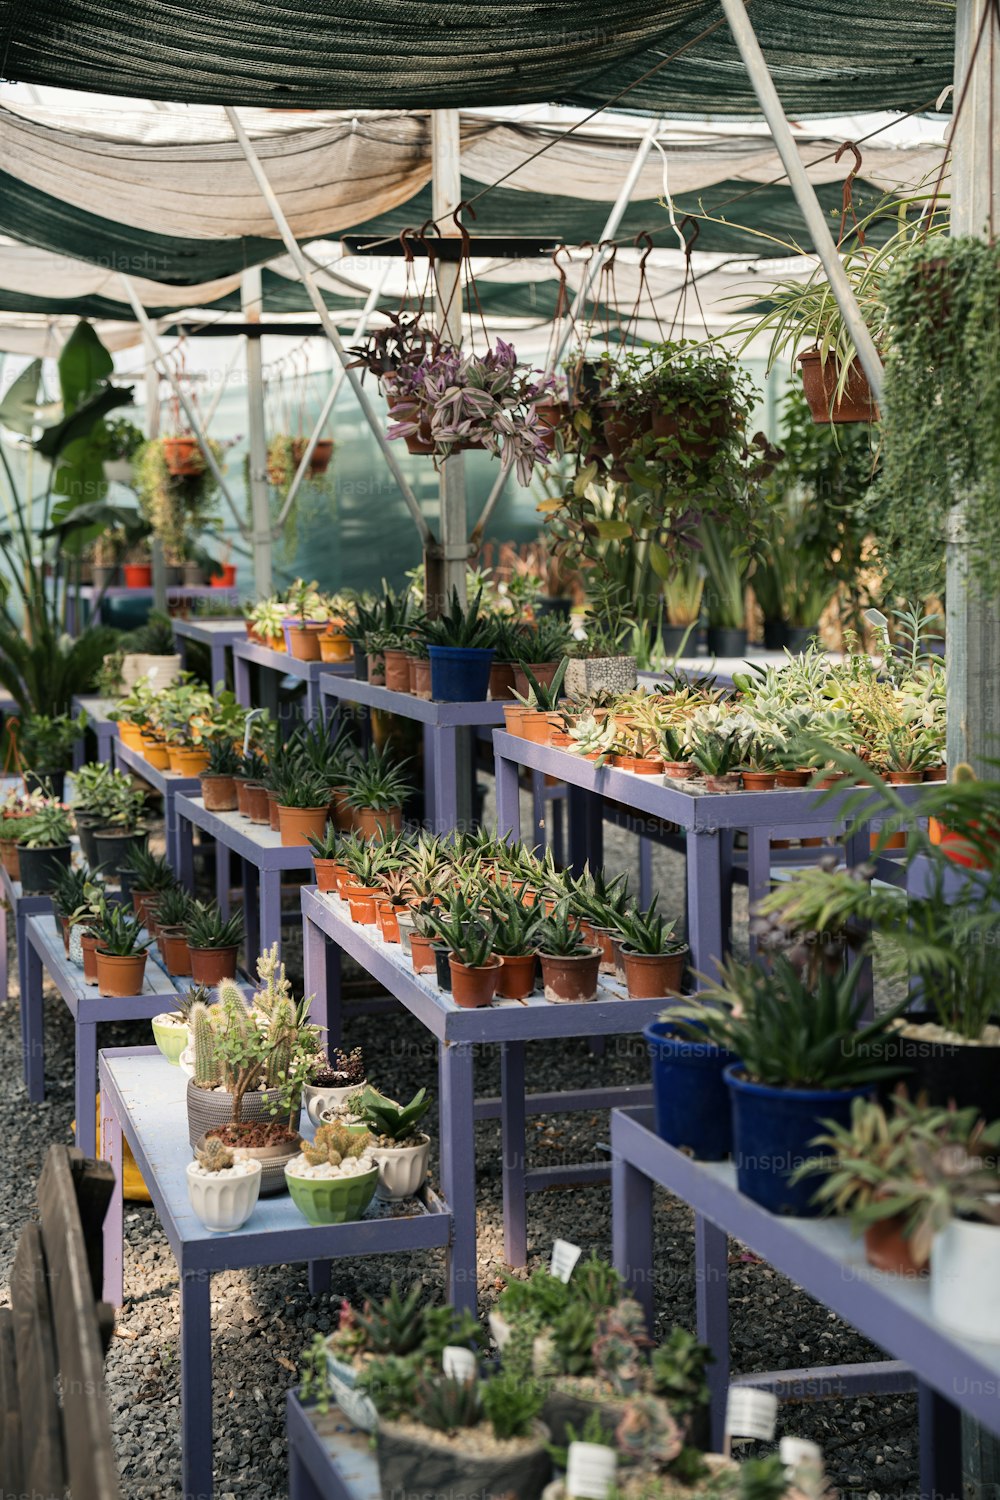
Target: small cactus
[334,1143]
[215,1155]
[206,1061]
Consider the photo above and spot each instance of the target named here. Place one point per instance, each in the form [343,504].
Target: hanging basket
[820,379]
[182,456]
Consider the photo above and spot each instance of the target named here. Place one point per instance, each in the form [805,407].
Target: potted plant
[44,848]
[541,648]
[461,646]
[213,942]
[326,861]
[172,910]
[600,662]
[724,557]
[690,1097]
[148,875]
[540,703]
[90,803]
[250,768]
[305,622]
[804,1056]
[303,801]
[399,1147]
[570,964]
[515,942]
[222,1190]
[334,1177]
[171,1029]
[265,623]
[82,924]
[475,968]
[653,958]
[68,892]
[218,784]
[366,864]
[376,790]
[121,952]
[151,652]
[121,831]
[332,1081]
[715,744]
[45,744]
[683,590]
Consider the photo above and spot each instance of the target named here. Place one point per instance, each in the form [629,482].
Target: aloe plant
[395,1123]
[119,932]
[648,932]
[459,628]
[543,696]
[206,927]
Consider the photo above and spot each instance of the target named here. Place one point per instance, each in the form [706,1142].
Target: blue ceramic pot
[460,674]
[689,1093]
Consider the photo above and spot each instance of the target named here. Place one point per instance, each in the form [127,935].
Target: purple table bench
[105,729]
[279,664]
[328,933]
[826,1261]
[21,907]
[143,1099]
[169,786]
[328,1459]
[265,858]
[218,635]
[44,951]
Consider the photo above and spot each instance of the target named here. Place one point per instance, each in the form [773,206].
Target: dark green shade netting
[826,56]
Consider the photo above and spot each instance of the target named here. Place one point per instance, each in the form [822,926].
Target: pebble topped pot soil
[262,1319]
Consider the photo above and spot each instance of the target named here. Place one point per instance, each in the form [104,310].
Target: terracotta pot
[120,977]
[242,806]
[219,793]
[341,877]
[560,740]
[819,383]
[552,415]
[678,770]
[501,681]
[138,575]
[156,753]
[188,760]
[272,810]
[131,735]
[371,822]
[343,812]
[887,1249]
[303,641]
[516,980]
[537,725]
[211,965]
[758,781]
[142,904]
[174,951]
[297,825]
[64,925]
[472,988]
[570,979]
[10,859]
[361,899]
[88,945]
[326,874]
[905,778]
[650,975]
[642,765]
[422,954]
[937,773]
[335,647]
[182,455]
[543,673]
[729,782]
[376,668]
[696,434]
[604,937]
[420,677]
[792,778]
[513,718]
[397,670]
[257,803]
[388,923]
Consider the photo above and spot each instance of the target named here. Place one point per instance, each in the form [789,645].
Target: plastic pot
[361,899]
[41,868]
[156,753]
[225,578]
[460,674]
[223,1204]
[188,760]
[303,641]
[501,681]
[256,800]
[131,735]
[387,923]
[334,647]
[773,1131]
[211,965]
[325,874]
[820,379]
[965,1288]
[114,848]
[174,951]
[472,987]
[553,604]
[376,668]
[219,793]
[297,825]
[420,678]
[405,923]
[373,822]
[690,1097]
[332,1200]
[397,670]
[182,455]
[516,980]
[962,1073]
[442,967]
[572,978]
[242,806]
[650,975]
[88,950]
[724,641]
[360,656]
[774,635]
[118,976]
[138,575]
[537,725]
[513,718]
[800,637]
[422,953]
[758,781]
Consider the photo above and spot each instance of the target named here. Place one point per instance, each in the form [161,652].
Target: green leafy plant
[151,871]
[223,759]
[679,1371]
[155,638]
[395,1123]
[49,827]
[69,890]
[459,627]
[297,786]
[511,1407]
[648,932]
[517,927]
[46,741]
[560,937]
[541,695]
[120,932]
[173,908]
[207,928]
[378,782]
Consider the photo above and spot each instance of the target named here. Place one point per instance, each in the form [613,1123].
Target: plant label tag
[590,1471]
[795,1452]
[750,1413]
[564,1259]
[458,1363]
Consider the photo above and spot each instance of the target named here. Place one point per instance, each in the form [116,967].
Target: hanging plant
[284,454]
[940,435]
[178,507]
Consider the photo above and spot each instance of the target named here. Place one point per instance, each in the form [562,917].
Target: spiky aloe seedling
[394,1122]
[446,1404]
[196,995]
[395,1325]
[334,1143]
[511,1406]
[215,1155]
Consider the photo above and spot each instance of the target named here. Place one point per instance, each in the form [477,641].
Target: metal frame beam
[251,297]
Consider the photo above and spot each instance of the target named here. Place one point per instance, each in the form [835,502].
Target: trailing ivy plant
[940,436]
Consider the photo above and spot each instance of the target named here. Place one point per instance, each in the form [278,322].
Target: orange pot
[543,672]
[120,977]
[792,778]
[372,822]
[219,793]
[209,966]
[820,379]
[142,904]
[537,725]
[88,944]
[758,781]
[516,980]
[303,642]
[570,979]
[326,874]
[174,951]
[156,753]
[361,899]
[187,760]
[138,575]
[182,455]
[10,859]
[420,677]
[513,717]
[472,988]
[887,1248]
[650,975]
[272,810]
[397,670]
[257,803]
[131,735]
[334,648]
[341,811]
[422,954]
[297,825]
[387,923]
[501,681]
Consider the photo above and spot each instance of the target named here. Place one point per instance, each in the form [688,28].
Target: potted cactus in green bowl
[333,1178]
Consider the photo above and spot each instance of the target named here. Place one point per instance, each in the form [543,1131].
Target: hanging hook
[847,199]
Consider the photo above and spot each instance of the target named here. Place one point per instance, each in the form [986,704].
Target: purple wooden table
[169,787]
[90,595]
[143,1099]
[706,820]
[105,729]
[218,635]
[21,907]
[265,858]
[826,1261]
[328,933]
[44,951]
[279,664]
[328,1459]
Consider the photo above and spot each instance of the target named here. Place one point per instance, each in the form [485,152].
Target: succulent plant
[390,1121]
[648,1433]
[446,1404]
[215,1155]
[335,1143]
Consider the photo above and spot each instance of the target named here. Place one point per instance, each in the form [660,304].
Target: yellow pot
[130,734]
[188,760]
[157,754]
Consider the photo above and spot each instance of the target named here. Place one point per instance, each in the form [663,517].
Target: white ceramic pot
[356,1406]
[162,670]
[316,1100]
[223,1202]
[401,1169]
[118,470]
[965,1287]
[590,1470]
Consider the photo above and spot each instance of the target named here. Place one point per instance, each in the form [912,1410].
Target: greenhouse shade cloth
[824,55]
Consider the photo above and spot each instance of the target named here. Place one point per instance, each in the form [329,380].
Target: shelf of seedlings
[168,784]
[247,654]
[218,635]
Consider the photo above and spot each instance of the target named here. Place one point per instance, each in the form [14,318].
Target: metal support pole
[973,627]
[323,313]
[153,431]
[446,567]
[251,299]
[805,193]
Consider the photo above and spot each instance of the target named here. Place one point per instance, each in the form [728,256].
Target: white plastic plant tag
[564,1259]
[750,1413]
[458,1363]
[590,1471]
[499,1328]
[794,1451]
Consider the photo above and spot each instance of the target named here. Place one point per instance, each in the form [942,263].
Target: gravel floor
[262,1319]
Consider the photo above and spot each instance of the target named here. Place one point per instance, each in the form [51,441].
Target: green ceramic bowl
[332,1200]
[171,1040]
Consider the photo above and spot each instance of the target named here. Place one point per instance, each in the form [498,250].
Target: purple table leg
[428,743]
[196,1384]
[515,1150]
[322,960]
[758,870]
[218,650]
[632,1231]
[86,1087]
[270,909]
[508,800]
[539,829]
[4,965]
[32,1023]
[458,1168]
[184,853]
[857,850]
[223,876]
[312,698]
[711,1261]
[251,909]
[241,681]
[111,1151]
[940,1445]
[645,871]
[585,812]
[444,754]
[705,934]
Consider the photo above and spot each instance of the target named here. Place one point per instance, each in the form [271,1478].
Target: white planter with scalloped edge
[401,1169]
[224,1200]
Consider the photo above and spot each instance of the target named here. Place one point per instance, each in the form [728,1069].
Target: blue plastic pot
[460,674]
[689,1092]
[772,1131]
